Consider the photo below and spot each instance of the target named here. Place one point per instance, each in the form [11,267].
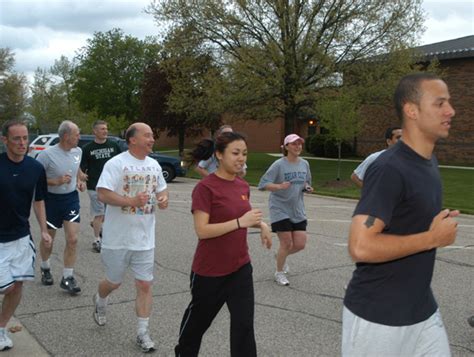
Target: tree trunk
[290,120]
[339,144]
[181,133]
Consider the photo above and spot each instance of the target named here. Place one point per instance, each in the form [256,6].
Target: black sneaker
[46,277]
[96,246]
[70,284]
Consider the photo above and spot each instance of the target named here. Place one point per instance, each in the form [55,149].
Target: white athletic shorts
[17,261]
[97,207]
[364,338]
[116,262]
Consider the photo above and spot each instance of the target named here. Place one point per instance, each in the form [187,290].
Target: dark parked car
[171,166]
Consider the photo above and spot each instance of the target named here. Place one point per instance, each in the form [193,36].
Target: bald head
[139,137]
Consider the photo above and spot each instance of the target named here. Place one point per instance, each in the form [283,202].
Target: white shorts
[364,338]
[17,261]
[97,207]
[116,262]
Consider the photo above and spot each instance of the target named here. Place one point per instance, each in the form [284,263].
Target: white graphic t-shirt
[131,228]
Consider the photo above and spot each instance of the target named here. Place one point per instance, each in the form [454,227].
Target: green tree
[13,88]
[339,114]
[109,74]
[280,53]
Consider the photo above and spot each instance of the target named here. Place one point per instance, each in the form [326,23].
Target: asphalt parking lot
[303,319]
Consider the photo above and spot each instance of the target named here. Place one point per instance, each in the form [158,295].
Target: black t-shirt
[403,189]
[19,183]
[94,157]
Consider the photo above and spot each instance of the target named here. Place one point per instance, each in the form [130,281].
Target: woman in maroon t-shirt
[221,270]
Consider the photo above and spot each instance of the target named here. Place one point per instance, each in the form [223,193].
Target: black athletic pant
[208,296]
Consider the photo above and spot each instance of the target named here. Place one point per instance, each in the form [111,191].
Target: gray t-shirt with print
[287,204]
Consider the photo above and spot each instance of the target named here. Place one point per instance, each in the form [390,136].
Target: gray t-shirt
[212,164]
[58,162]
[364,165]
[287,204]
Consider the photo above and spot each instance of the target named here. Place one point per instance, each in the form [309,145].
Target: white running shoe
[281,279]
[5,342]
[99,312]
[145,343]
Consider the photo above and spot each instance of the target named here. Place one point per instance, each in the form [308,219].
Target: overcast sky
[40,31]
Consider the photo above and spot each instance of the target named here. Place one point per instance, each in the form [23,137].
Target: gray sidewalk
[300,320]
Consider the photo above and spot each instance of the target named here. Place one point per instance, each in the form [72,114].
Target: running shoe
[70,285]
[46,277]
[145,343]
[99,312]
[281,279]
[96,245]
[5,342]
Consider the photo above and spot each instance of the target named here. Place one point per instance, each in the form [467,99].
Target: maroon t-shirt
[223,200]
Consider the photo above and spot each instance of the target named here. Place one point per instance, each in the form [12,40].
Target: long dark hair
[206,147]
[203,151]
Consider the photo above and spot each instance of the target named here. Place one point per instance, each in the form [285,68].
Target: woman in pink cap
[287,179]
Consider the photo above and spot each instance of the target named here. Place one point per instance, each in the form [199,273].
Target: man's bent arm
[114,199]
[367,244]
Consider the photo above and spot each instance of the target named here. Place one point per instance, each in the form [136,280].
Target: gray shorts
[364,338]
[97,207]
[116,262]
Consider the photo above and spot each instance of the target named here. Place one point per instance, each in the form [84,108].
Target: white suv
[41,143]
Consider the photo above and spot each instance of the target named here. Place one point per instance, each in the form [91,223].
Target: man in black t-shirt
[22,185]
[94,156]
[389,308]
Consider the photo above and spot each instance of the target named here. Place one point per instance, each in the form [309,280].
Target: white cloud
[447,20]
[40,31]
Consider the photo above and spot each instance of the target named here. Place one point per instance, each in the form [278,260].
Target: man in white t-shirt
[132,185]
[392,135]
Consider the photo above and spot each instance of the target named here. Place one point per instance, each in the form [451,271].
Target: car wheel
[168,173]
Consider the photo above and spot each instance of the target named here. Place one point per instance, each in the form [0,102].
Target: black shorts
[286,225]
[62,207]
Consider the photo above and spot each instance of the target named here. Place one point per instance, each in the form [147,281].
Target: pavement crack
[299,312]
[454,262]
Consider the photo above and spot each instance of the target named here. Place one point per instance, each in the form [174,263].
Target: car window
[55,141]
[42,140]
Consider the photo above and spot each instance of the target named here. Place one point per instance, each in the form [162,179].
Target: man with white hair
[64,176]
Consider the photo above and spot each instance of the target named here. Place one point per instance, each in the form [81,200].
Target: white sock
[142,325]
[68,272]
[45,264]
[101,302]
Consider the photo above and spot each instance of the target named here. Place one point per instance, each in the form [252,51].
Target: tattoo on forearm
[370,221]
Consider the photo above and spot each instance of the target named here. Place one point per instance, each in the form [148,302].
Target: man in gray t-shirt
[63,174]
[392,135]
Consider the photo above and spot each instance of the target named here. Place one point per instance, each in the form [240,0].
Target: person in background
[94,156]
[287,179]
[392,135]
[64,177]
[207,166]
[221,271]
[22,184]
[131,185]
[389,307]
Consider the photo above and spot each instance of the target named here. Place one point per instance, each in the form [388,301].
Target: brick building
[456,58]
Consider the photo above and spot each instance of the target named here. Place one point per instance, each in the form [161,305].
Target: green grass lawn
[458,184]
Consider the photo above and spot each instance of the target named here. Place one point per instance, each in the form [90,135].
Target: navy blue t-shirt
[19,182]
[403,189]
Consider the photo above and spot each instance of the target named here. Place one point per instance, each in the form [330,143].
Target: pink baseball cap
[292,138]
